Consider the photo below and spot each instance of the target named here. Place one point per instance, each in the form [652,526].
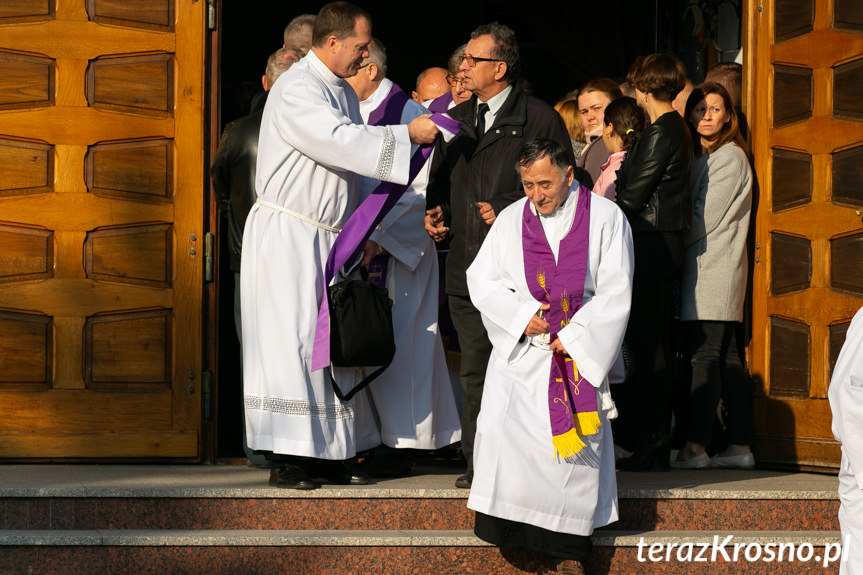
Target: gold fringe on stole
[587,423]
[567,444]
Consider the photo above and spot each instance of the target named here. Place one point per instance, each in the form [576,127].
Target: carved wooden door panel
[805,73]
[101,209]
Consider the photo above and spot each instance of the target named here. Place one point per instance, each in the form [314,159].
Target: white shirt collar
[496,101]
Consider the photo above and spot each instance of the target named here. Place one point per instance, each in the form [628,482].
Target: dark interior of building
[563,44]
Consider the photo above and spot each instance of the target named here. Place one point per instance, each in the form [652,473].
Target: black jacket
[465,172]
[233,175]
[653,187]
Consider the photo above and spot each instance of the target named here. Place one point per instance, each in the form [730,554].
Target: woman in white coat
[714,282]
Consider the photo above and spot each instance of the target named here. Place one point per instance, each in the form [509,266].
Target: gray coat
[715,263]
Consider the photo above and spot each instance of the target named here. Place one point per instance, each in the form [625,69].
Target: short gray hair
[298,33]
[455,60]
[505,48]
[278,63]
[378,55]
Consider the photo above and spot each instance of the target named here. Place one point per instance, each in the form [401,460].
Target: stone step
[400,552]
[373,513]
[234,497]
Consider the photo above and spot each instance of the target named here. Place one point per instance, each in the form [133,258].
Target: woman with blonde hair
[568,110]
[714,282]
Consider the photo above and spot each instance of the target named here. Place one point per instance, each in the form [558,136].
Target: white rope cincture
[298,216]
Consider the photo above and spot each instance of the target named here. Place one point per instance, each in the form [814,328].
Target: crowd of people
[585,242]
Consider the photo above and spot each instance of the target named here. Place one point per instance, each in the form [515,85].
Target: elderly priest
[553,283]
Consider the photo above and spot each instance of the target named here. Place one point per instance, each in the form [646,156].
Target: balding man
[431,84]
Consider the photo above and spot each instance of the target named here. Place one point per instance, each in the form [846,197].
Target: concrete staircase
[64,519]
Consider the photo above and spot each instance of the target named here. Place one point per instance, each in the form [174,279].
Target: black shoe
[464,481]
[291,477]
[337,473]
[390,462]
[656,449]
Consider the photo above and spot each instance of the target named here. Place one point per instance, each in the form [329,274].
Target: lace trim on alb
[300,407]
[386,159]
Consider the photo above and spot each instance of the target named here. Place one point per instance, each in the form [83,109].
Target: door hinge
[208,257]
[211,14]
[206,393]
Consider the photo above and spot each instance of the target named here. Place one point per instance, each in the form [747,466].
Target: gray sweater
[715,264]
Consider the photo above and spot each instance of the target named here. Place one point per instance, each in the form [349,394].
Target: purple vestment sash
[441,103]
[365,218]
[572,402]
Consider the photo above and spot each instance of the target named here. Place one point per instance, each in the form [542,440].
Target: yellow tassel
[567,444]
[587,423]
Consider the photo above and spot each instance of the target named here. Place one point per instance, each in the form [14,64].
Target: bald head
[431,83]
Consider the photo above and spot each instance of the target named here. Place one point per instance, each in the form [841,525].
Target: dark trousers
[658,263]
[475,351]
[717,371]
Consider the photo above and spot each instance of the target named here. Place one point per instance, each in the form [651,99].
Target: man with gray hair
[413,399]
[472,180]
[553,284]
[298,33]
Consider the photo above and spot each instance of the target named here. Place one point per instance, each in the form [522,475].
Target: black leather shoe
[337,473]
[389,462]
[656,449]
[464,481]
[291,477]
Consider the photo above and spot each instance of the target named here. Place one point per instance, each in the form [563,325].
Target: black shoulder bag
[361,329]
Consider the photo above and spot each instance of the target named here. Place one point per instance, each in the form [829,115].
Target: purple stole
[368,215]
[441,103]
[572,402]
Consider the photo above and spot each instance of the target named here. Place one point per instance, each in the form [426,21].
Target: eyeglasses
[453,81]
[472,60]
[364,65]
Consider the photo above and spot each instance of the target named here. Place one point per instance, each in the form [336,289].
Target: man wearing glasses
[472,179]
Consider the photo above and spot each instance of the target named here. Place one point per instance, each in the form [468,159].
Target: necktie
[480,120]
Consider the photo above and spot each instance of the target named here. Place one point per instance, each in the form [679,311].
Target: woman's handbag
[361,329]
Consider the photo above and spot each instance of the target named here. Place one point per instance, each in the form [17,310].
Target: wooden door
[805,77]
[101,210]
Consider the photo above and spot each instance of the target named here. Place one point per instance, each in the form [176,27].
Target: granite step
[384,552]
[235,497]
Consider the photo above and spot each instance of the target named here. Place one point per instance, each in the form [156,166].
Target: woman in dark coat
[653,191]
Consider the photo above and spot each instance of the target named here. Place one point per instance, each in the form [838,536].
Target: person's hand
[370,250]
[434,224]
[537,325]
[486,212]
[557,347]
[422,130]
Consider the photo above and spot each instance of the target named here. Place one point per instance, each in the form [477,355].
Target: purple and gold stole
[572,402]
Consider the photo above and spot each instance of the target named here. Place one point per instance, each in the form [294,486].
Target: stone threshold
[233,481]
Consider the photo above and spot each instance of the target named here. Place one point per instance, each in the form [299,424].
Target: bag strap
[349,395]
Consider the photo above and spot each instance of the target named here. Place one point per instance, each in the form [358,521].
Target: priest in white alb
[846,403]
[313,150]
[553,282]
[413,401]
